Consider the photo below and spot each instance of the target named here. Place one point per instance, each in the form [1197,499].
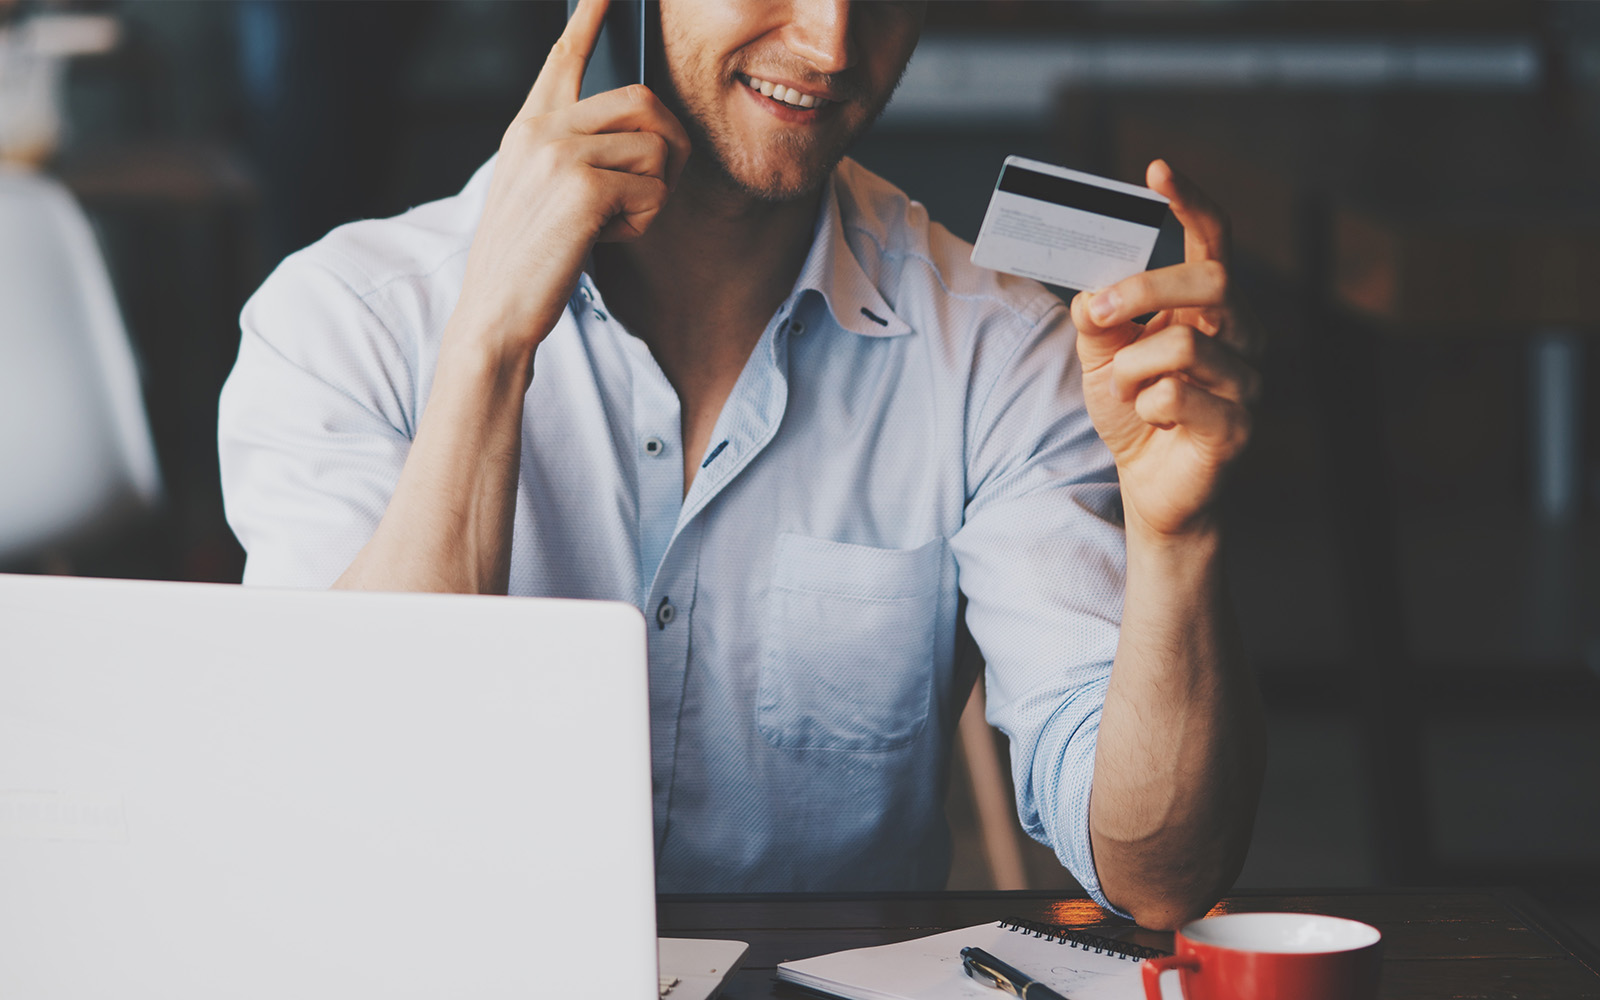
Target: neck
[714,263]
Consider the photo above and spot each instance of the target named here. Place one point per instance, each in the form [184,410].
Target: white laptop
[210,791]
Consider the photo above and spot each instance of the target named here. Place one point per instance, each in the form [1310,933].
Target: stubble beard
[715,146]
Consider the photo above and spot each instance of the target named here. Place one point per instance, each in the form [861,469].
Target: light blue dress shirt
[908,432]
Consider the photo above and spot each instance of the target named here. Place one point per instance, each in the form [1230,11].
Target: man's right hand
[571,173]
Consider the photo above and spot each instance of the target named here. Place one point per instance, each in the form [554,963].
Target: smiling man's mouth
[784,95]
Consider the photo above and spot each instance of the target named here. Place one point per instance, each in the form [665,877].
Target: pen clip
[977,969]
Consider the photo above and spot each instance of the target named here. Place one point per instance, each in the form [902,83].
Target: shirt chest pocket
[848,663]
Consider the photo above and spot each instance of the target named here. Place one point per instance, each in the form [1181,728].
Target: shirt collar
[833,271]
[831,268]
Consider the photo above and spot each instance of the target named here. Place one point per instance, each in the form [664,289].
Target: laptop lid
[212,791]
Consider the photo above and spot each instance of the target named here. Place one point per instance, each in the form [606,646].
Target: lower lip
[781,111]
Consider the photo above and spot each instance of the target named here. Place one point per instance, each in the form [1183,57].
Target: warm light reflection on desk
[1084,913]
[1076,913]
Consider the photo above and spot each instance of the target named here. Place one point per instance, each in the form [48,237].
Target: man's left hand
[1171,399]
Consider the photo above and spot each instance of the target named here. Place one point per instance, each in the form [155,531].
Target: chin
[761,163]
[779,186]
[768,181]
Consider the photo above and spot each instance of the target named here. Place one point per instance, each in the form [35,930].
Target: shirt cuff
[1076,848]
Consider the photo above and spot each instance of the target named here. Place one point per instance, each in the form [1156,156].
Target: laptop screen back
[216,791]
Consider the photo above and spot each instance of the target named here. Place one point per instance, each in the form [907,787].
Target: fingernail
[1103,306]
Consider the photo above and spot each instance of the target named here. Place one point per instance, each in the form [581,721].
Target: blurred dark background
[1413,186]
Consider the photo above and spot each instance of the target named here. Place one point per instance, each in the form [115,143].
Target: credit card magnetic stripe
[1085,197]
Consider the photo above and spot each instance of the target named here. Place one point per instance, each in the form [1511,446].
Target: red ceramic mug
[1271,956]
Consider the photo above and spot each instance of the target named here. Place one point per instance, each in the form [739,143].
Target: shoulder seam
[380,418]
[408,431]
[1005,366]
[373,285]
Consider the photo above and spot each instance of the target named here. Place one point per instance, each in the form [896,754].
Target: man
[668,348]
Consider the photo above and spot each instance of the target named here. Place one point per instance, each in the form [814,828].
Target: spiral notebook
[1076,964]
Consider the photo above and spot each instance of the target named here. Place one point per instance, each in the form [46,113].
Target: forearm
[1181,746]
[448,526]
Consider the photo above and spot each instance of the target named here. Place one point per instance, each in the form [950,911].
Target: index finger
[1205,228]
[1199,284]
[560,81]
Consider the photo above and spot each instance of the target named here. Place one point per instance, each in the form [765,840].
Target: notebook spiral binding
[1084,940]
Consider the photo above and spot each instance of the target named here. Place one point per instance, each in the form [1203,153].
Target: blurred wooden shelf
[176,174]
[1446,213]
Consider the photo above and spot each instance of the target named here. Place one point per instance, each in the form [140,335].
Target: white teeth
[787,95]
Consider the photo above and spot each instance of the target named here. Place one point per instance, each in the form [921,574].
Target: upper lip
[827,95]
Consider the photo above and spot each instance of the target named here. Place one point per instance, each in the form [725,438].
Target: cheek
[683,65]
[681,45]
[708,31]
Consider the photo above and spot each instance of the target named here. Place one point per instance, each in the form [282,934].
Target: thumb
[1097,344]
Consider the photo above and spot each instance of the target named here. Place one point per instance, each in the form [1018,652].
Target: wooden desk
[1441,943]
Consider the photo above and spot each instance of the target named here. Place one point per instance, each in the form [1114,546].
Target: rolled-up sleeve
[314,426]
[1042,562]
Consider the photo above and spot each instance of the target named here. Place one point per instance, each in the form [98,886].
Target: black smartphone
[618,58]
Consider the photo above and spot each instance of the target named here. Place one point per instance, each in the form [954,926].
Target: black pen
[990,971]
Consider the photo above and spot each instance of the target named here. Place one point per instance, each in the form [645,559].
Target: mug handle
[1154,967]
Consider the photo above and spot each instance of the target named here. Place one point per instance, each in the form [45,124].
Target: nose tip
[820,34]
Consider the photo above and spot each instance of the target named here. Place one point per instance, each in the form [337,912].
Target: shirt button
[796,328]
[588,296]
[665,613]
[654,446]
[599,315]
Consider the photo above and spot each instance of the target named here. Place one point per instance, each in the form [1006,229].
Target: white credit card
[1065,227]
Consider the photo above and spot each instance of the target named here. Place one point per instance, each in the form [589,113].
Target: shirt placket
[666,595]
[750,416]
[670,533]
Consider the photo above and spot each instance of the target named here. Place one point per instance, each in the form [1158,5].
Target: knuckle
[518,133]
[1146,405]
[1159,402]
[1185,346]
[586,185]
[1217,275]
[659,150]
[1164,394]
[1136,290]
[563,51]
[550,157]
[1120,375]
[547,134]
